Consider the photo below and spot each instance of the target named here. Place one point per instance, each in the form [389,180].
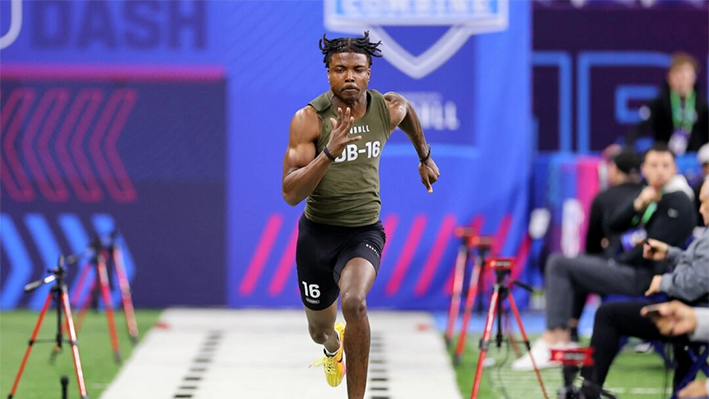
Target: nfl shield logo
[465,18]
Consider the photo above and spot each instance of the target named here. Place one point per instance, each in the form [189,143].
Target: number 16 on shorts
[311,292]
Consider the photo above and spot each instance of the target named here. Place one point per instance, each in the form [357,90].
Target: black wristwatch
[428,155]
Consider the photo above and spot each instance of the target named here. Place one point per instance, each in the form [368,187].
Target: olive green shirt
[348,194]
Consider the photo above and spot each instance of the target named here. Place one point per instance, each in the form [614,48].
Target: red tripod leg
[492,310]
[458,278]
[74,346]
[80,285]
[87,301]
[106,294]
[29,347]
[469,302]
[125,295]
[513,307]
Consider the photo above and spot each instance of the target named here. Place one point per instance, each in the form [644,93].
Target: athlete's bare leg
[355,282]
[321,325]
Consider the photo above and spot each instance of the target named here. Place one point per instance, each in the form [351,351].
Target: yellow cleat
[334,365]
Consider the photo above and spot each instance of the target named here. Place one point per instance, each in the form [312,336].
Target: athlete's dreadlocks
[360,45]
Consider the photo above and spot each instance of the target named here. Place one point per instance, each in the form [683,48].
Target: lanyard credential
[649,211]
[683,117]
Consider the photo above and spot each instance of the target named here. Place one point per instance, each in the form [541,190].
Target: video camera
[502,264]
[473,239]
[502,267]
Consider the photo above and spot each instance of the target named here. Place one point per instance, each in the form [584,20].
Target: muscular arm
[403,115]
[302,170]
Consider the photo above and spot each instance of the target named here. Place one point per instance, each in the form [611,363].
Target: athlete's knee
[320,333]
[354,306]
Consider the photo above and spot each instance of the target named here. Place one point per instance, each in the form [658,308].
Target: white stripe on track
[264,354]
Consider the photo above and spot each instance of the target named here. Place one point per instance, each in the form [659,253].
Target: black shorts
[324,250]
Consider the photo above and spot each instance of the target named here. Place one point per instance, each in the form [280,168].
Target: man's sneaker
[542,357]
[334,365]
[645,347]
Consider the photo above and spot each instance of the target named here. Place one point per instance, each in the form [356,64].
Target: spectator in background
[688,282]
[679,116]
[662,210]
[624,180]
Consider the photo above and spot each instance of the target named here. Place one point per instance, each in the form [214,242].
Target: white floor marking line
[264,354]
[200,366]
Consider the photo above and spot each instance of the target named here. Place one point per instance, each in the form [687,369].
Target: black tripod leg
[32,341]
[57,349]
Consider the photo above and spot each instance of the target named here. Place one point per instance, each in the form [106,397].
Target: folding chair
[699,363]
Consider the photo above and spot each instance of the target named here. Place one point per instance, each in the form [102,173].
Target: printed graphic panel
[137,153]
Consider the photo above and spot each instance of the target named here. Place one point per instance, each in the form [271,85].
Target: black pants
[615,320]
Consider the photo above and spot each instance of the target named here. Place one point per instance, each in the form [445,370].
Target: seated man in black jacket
[662,211]
[624,181]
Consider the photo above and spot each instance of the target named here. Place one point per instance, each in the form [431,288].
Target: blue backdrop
[213,86]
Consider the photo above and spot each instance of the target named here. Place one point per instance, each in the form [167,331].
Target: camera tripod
[468,238]
[501,291]
[101,285]
[58,293]
[483,245]
[461,262]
